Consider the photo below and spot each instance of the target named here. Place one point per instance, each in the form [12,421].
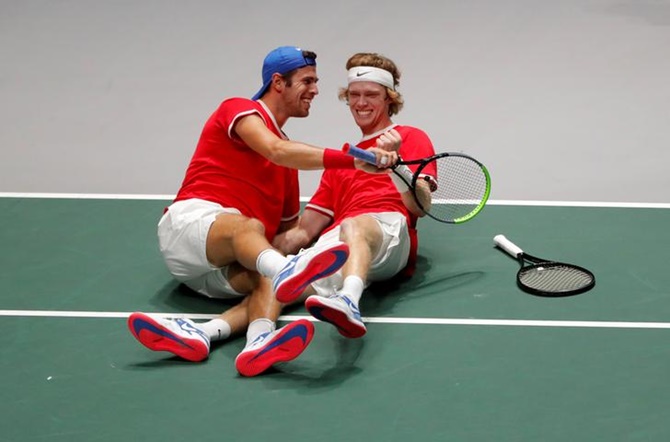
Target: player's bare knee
[352,230]
[247,231]
[252,225]
[347,229]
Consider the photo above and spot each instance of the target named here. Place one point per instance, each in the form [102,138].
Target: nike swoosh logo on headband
[360,74]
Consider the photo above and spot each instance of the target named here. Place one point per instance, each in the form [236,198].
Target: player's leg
[234,280]
[191,340]
[182,233]
[379,245]
[364,237]
[235,238]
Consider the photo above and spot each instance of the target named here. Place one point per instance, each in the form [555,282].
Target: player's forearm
[296,155]
[409,202]
[306,157]
[422,194]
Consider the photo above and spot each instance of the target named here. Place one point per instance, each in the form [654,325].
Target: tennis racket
[544,277]
[460,185]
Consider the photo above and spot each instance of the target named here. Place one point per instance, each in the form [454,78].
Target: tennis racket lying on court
[461,188]
[547,278]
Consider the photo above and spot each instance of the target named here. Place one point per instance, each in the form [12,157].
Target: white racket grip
[400,184]
[507,245]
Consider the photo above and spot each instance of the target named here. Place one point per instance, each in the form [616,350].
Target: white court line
[616,205]
[418,321]
[306,198]
[86,196]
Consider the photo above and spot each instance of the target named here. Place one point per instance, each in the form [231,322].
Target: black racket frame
[536,262]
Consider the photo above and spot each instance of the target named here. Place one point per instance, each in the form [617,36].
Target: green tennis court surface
[458,353]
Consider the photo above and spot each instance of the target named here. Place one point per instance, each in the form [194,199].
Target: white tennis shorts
[182,238]
[391,259]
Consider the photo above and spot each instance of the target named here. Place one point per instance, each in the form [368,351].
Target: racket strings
[461,188]
[555,278]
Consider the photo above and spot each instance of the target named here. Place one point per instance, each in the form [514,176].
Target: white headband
[368,73]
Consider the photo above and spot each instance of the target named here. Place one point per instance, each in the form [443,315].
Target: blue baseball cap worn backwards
[282,60]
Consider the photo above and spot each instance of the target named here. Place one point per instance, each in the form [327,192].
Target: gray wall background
[110,96]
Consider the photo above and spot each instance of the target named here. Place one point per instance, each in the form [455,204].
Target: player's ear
[278,82]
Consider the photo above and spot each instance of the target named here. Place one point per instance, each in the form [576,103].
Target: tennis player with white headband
[375,215]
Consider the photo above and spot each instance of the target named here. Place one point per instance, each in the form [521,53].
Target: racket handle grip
[507,245]
[359,153]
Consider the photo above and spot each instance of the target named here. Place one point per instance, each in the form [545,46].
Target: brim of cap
[261,91]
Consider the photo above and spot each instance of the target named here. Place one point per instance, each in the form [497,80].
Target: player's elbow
[411,205]
[279,153]
[417,211]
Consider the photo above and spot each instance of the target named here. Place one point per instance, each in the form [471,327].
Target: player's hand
[291,241]
[389,141]
[385,160]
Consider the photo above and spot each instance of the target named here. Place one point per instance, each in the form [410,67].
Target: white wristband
[402,184]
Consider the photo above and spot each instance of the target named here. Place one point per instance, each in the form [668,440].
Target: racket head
[460,186]
[553,279]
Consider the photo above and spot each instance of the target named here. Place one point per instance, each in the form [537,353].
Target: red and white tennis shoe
[178,336]
[307,267]
[282,345]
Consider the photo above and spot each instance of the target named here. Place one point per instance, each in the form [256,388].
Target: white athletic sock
[258,327]
[217,329]
[353,287]
[270,262]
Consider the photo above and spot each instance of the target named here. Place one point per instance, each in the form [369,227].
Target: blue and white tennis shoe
[338,310]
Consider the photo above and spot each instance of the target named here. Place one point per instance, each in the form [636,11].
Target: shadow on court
[178,298]
[381,298]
